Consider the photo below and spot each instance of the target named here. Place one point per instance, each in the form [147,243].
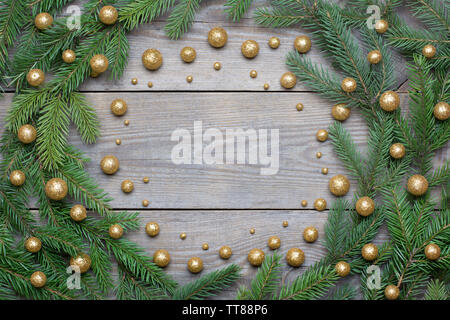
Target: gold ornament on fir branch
[322,135]
[365,206]
[115,231]
[320,204]
[429,51]
[288,80]
[432,251]
[374,56]
[250,49]
[417,185]
[161,258]
[78,213]
[188,54]
[441,111]
[33,244]
[217,37]
[339,185]
[302,44]
[99,63]
[397,151]
[225,252]
[82,261]
[118,107]
[69,56]
[381,26]
[38,279]
[152,229]
[274,242]
[108,15]
[342,268]
[35,77]
[56,189]
[256,257]
[17,178]
[127,186]
[389,101]
[43,20]
[295,257]
[310,234]
[391,292]
[348,84]
[340,112]
[109,164]
[195,265]
[274,42]
[27,134]
[369,252]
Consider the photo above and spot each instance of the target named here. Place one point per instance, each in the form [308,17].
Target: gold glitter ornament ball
[195,265]
[266,86]
[99,63]
[320,204]
[302,44]
[318,155]
[17,178]
[217,37]
[35,77]
[109,164]
[429,51]
[348,84]
[274,242]
[118,107]
[38,279]
[304,203]
[342,268]
[146,179]
[161,258]
[369,252]
[152,59]
[152,229]
[250,48]
[295,257]
[417,185]
[339,185]
[274,42]
[391,292]
[188,54]
[322,135]
[69,56]
[189,79]
[145,203]
[82,261]
[365,206]
[183,235]
[56,189]
[205,246]
[389,101]
[127,186]
[340,112]
[256,257]
[33,244]
[225,252]
[217,66]
[285,224]
[27,134]
[432,251]
[441,111]
[397,151]
[324,170]
[374,56]
[78,213]
[252,231]
[108,15]
[253,74]
[43,20]
[381,26]
[288,80]
[115,231]
[134,81]
[310,234]
[299,106]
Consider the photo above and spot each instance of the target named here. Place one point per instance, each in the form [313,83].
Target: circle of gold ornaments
[310,234]
[78,213]
[56,189]
[417,185]
[27,134]
[369,252]
[441,111]
[274,42]
[161,258]
[217,37]
[118,107]
[274,242]
[342,268]
[33,244]
[152,229]
[225,252]
[256,257]
[38,279]
[391,292]
[389,101]
[108,15]
[35,77]
[432,251]
[250,49]
[302,44]
[82,261]
[109,164]
[188,54]
[397,151]
[43,20]
[127,186]
[17,178]
[295,257]
[195,265]
[69,56]
[152,59]
[348,84]
[288,80]
[115,231]
[339,185]
[429,51]
[99,63]
[340,112]
[365,206]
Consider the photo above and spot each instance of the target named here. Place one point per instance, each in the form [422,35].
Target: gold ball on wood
[145,203]
[339,185]
[225,252]
[115,231]
[310,234]
[109,164]
[432,251]
[288,80]
[217,66]
[322,135]
[274,42]
[56,189]
[27,134]
[369,252]
[299,106]
[274,242]
[324,170]
[134,81]
[33,244]
[38,279]
[320,204]
[389,101]
[217,37]
[205,246]
[17,178]
[295,257]
[189,79]
[78,213]
[82,261]
[253,74]
[43,20]
[183,235]
[441,111]
[195,265]
[35,77]
[417,185]
[99,63]
[256,257]
[342,268]
[152,229]
[266,86]
[127,186]
[188,54]
[69,56]
[365,206]
[108,15]
[397,151]
[161,258]
[304,203]
[302,44]
[250,48]
[340,112]
[118,107]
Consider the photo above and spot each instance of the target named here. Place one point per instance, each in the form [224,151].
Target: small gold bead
[322,135]
[205,246]
[126,122]
[150,84]
[118,142]
[266,86]
[299,106]
[252,231]
[134,81]
[318,155]
[145,203]
[285,224]
[253,74]
[217,66]
[146,179]
[189,79]
[183,236]
[304,203]
[324,170]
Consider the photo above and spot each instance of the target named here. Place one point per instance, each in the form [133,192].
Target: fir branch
[433,13]
[84,117]
[345,292]
[181,18]
[436,290]
[337,229]
[143,11]
[237,8]
[265,283]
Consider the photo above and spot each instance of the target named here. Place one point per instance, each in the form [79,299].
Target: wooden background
[212,203]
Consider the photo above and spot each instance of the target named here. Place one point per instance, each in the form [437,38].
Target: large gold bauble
[274,242]
[225,252]
[161,258]
[340,112]
[391,292]
[348,84]
[295,257]
[374,56]
[322,135]
[43,20]
[369,252]
[342,268]
[256,257]
[320,204]
[288,80]
[38,279]
[417,185]
[339,185]
[69,56]
[152,59]
[432,251]
[82,261]
[274,42]
[250,48]
[27,134]
[365,206]
[381,26]
[152,229]
[108,15]
[389,101]
[217,37]
[35,77]
[441,111]
[188,54]
[397,151]
[99,63]
[78,213]
[310,234]
[195,265]
[429,51]
[302,44]
[115,231]
[109,164]
[33,244]
[56,189]
[17,178]
[118,107]
[127,186]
